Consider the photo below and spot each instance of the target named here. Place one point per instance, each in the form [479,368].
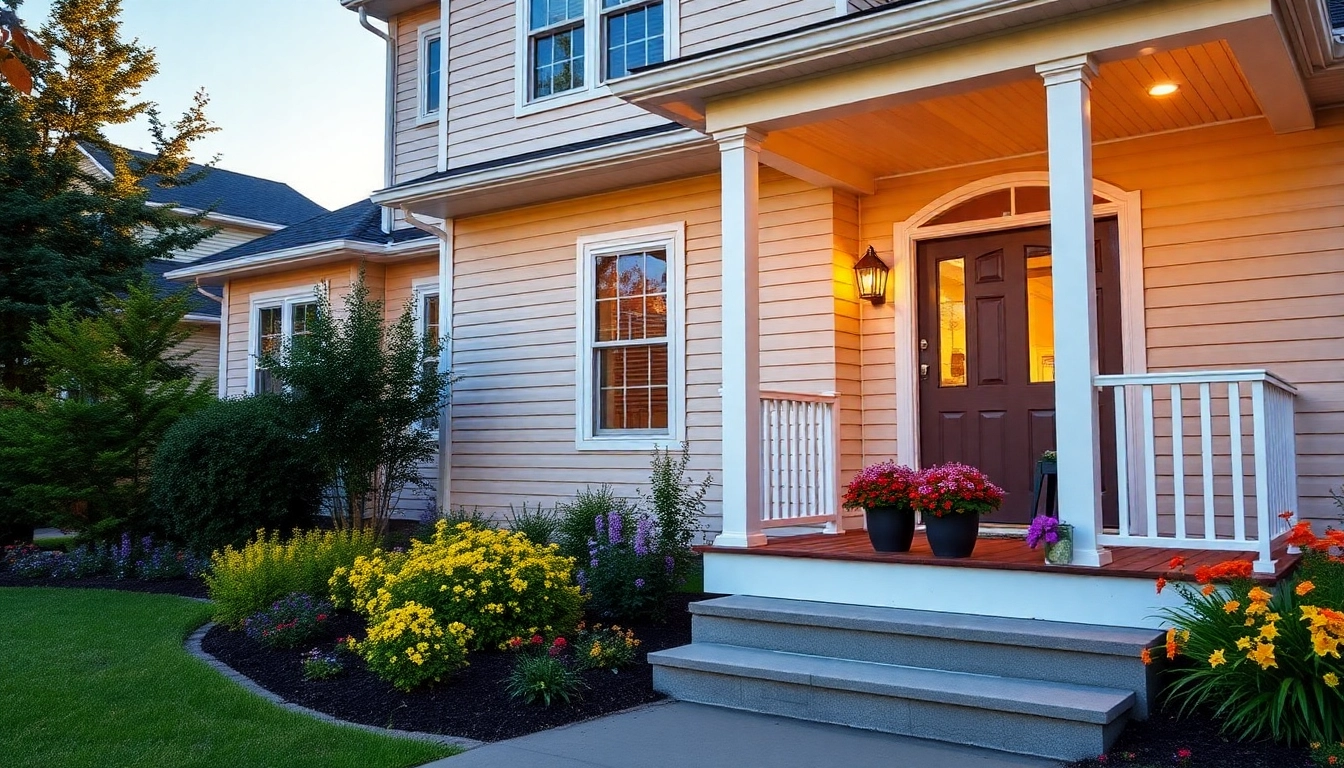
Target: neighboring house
[241,207]
[1096,214]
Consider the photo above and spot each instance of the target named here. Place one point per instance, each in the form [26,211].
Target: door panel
[988,399]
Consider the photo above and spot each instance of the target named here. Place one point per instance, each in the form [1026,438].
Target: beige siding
[227,237]
[1243,268]
[204,349]
[415,150]
[709,24]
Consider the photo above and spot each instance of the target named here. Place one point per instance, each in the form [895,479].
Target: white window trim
[595,87]
[285,298]
[424,34]
[421,288]
[671,236]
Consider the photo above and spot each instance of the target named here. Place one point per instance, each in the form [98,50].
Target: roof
[197,304]
[226,192]
[361,221]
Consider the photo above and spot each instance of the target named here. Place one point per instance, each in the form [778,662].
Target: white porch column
[1068,95]
[739,156]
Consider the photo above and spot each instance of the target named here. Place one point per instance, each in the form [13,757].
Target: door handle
[923,370]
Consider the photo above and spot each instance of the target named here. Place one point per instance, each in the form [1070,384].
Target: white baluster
[1206,455]
[1238,463]
[1178,459]
[1150,459]
[1121,460]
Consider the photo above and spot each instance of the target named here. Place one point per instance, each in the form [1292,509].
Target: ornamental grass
[1266,663]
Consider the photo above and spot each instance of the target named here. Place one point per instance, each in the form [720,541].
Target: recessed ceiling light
[1148,51]
[1163,89]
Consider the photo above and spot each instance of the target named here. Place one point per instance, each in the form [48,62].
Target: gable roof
[227,192]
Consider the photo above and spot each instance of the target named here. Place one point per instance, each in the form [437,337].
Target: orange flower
[1304,588]
[1228,569]
[1161,584]
[1207,590]
[1258,595]
[1171,643]
[1301,536]
[1146,656]
[1176,562]
[1231,606]
[1286,514]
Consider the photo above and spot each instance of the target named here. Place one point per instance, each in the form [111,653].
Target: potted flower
[1057,537]
[951,498]
[884,492]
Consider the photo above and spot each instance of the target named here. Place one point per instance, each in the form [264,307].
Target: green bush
[496,583]
[678,507]
[243,581]
[408,647]
[543,680]
[236,466]
[538,525]
[578,518]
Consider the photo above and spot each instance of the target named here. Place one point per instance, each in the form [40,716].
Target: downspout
[445,235]
[222,384]
[389,107]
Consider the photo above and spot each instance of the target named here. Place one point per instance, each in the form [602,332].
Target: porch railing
[799,455]
[1204,460]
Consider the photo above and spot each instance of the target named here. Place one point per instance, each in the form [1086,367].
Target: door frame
[1126,206]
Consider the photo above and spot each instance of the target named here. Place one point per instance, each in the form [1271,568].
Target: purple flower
[582,578]
[592,563]
[639,583]
[642,530]
[614,528]
[600,524]
[669,563]
[1042,528]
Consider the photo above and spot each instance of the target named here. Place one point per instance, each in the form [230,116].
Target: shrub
[322,665]
[247,580]
[1267,664]
[625,576]
[129,559]
[408,647]
[602,647]
[575,524]
[678,507]
[236,466]
[538,525]
[289,621]
[497,583]
[544,679]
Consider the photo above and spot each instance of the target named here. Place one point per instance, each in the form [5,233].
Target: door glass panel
[952,322]
[1040,315]
[1031,199]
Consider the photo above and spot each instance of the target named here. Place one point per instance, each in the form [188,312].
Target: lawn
[100,678]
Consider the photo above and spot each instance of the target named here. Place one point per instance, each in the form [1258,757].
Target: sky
[296,87]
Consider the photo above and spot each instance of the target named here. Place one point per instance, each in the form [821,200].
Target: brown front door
[987,360]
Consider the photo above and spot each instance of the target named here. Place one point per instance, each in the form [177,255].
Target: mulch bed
[472,704]
[180,587]
[1158,740]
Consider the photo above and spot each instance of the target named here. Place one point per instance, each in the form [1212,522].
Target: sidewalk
[676,734]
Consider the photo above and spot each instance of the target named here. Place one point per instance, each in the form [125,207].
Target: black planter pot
[890,529]
[952,535]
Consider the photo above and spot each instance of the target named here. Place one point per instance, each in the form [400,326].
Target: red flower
[1183,753]
[321,617]
[1161,584]
[1176,562]
[559,642]
[1286,514]
[538,639]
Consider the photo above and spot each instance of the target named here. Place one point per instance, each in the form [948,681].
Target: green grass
[100,678]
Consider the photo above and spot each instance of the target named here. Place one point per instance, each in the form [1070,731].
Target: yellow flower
[1331,679]
[1250,622]
[1231,606]
[1244,643]
[1217,658]
[1263,655]
[1269,632]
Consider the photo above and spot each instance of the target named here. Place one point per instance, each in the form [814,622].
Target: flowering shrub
[321,665]
[127,559]
[952,488]
[495,582]
[885,484]
[409,647]
[289,621]
[605,647]
[245,581]
[1267,663]
[626,577]
[1327,754]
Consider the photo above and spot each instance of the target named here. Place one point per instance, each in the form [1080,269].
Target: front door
[987,358]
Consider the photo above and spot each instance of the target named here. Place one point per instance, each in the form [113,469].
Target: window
[431,70]
[427,323]
[274,321]
[630,336]
[557,35]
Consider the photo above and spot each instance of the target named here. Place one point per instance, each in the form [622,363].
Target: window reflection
[1040,315]
[952,322]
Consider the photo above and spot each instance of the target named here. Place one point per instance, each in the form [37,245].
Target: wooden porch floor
[1005,553]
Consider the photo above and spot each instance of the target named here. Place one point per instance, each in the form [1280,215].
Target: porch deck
[1005,553]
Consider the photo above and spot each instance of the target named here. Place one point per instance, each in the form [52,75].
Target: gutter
[389,105]
[327,250]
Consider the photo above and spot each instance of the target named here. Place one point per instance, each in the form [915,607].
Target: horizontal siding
[415,150]
[709,24]
[1243,268]
[227,237]
[203,346]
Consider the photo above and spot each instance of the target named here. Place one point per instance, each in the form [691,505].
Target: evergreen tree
[68,235]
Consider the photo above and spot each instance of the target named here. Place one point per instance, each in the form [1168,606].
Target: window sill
[628,444]
[423,120]
[546,103]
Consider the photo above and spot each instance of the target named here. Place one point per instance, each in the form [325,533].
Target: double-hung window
[559,33]
[273,322]
[630,362]
[427,323]
[431,70]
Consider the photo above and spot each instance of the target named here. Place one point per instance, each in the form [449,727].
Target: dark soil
[1157,741]
[472,704]
[181,587]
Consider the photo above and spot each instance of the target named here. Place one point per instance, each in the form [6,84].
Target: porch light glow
[1163,89]
[871,275]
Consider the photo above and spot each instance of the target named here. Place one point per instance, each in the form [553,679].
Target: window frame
[672,238]
[285,300]
[595,55]
[426,34]
[422,289]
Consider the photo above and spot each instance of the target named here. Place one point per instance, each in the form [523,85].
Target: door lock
[923,370]
[923,344]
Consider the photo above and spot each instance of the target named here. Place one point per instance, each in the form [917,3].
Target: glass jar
[1061,552]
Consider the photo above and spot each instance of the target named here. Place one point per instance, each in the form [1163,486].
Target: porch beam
[739,156]
[1264,57]
[1068,97]
[805,161]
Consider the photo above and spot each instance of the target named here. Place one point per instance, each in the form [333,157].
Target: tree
[71,236]
[15,44]
[78,452]
[364,391]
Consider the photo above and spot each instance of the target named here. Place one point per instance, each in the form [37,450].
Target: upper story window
[559,34]
[273,322]
[431,70]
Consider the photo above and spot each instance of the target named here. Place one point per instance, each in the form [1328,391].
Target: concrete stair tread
[1052,635]
[1064,701]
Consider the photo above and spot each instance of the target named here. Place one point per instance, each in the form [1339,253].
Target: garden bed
[471,704]
[1194,742]
[185,587]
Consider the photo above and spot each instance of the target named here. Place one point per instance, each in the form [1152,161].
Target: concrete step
[1057,720]
[1050,651]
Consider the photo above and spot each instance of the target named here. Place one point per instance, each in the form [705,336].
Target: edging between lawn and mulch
[193,646]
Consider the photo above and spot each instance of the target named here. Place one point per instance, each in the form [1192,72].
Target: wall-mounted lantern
[871,275]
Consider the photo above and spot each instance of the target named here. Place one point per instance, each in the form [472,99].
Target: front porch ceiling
[1010,119]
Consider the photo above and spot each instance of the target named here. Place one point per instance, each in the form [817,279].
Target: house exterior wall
[415,149]
[203,345]
[226,236]
[1243,267]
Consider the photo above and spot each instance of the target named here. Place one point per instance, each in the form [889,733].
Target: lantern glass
[871,275]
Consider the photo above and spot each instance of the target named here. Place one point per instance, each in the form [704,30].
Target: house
[1113,229]
[240,207]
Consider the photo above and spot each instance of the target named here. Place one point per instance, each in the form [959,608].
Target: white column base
[740,540]
[1264,566]
[1092,558]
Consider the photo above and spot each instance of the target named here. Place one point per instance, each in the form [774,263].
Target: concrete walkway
[681,735]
